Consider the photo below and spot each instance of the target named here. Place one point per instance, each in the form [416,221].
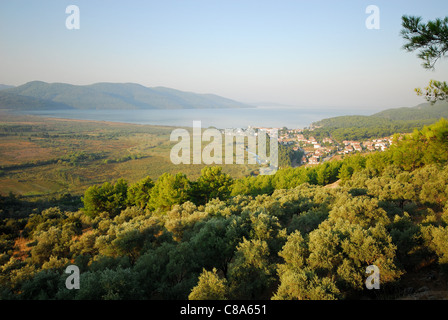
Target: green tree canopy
[139,192]
[209,287]
[110,198]
[213,183]
[169,190]
[430,38]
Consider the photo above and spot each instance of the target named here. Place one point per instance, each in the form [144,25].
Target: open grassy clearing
[46,156]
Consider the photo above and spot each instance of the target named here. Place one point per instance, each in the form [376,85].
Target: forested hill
[384,123]
[420,112]
[107,96]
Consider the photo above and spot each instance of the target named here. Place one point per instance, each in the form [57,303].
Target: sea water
[269,117]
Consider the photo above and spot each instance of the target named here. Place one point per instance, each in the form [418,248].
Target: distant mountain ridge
[4,86]
[104,95]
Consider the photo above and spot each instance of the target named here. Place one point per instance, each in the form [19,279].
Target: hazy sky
[294,52]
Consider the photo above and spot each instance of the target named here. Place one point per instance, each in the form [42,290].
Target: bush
[209,287]
[109,198]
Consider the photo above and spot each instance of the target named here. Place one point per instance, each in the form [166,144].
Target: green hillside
[109,96]
[13,101]
[384,123]
[420,112]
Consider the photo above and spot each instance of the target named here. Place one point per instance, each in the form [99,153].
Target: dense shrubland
[285,236]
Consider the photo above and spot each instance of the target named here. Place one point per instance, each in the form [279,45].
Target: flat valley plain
[41,157]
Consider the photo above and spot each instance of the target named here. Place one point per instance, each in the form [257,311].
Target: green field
[43,156]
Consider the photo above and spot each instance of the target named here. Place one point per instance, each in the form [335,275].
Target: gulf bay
[273,117]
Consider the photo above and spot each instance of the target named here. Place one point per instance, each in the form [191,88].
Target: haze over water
[273,117]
